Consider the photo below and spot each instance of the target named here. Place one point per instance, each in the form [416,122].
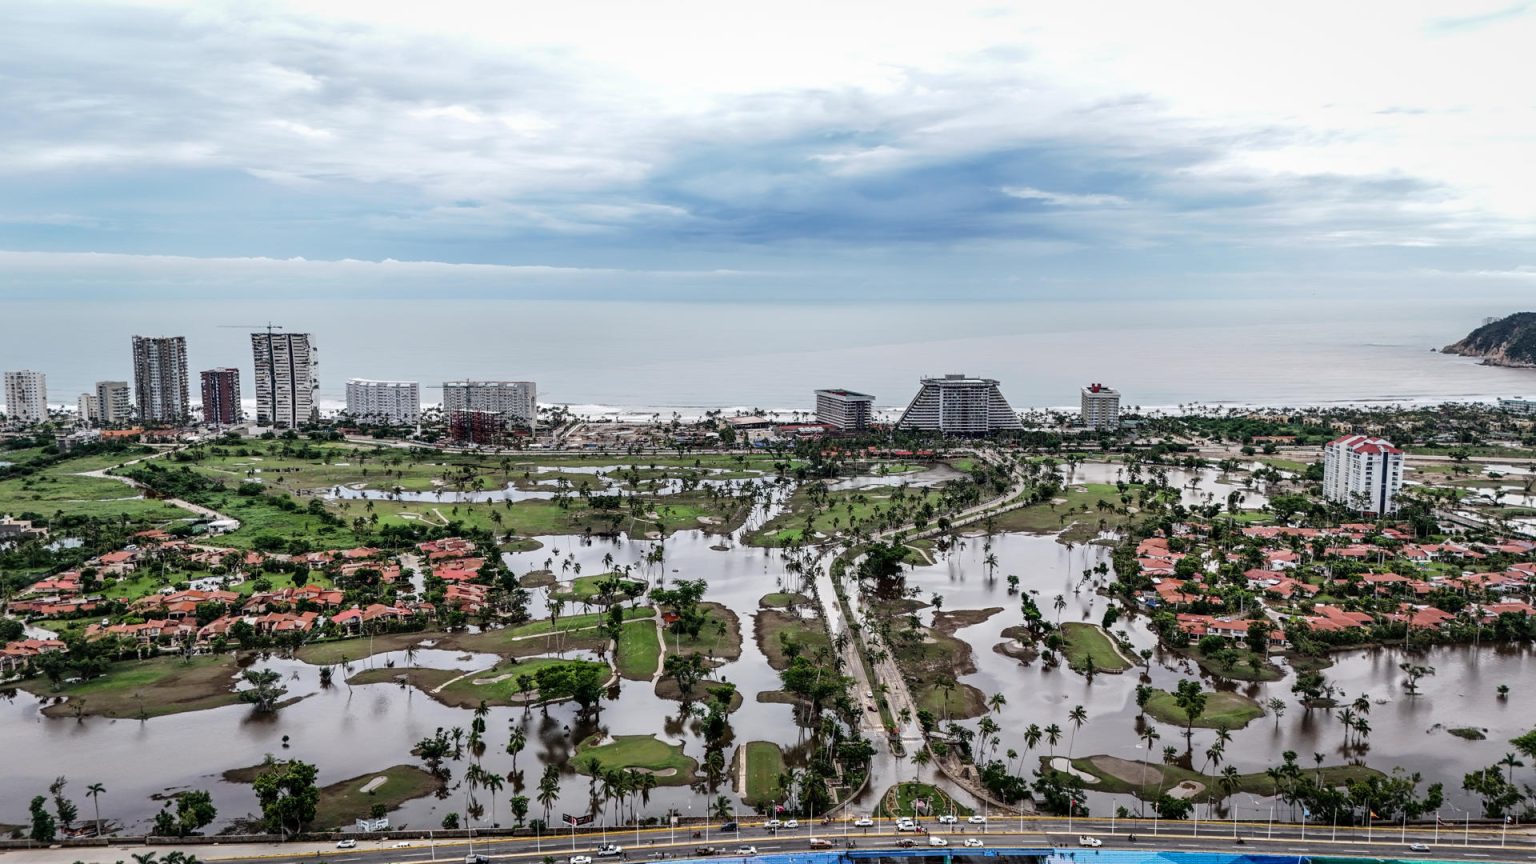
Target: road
[1035,833]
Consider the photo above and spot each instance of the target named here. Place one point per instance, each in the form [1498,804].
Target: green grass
[575,622]
[897,801]
[960,702]
[643,752]
[588,588]
[865,507]
[719,639]
[1075,503]
[781,600]
[639,651]
[1468,733]
[774,625]
[1222,710]
[1240,669]
[765,764]
[504,691]
[1083,641]
[56,490]
[1169,776]
[148,688]
[343,802]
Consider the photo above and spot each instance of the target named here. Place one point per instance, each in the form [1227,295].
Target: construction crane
[269,327]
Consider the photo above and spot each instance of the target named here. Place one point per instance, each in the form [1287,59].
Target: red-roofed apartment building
[1363,473]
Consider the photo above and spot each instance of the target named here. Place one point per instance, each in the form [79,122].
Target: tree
[193,811]
[1414,673]
[1191,701]
[519,804]
[1077,716]
[515,745]
[288,796]
[265,689]
[1276,706]
[62,806]
[549,789]
[1053,736]
[44,828]
[94,792]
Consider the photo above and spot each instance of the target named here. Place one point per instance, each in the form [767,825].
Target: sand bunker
[1063,764]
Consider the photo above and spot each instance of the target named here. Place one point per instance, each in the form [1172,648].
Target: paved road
[1454,844]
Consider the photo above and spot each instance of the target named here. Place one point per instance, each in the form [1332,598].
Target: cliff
[1508,341]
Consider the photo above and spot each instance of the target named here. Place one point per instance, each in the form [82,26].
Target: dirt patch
[666,688]
[773,626]
[782,697]
[948,622]
[537,579]
[1017,650]
[1186,789]
[1134,773]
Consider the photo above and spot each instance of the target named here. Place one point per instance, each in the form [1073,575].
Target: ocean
[640,358]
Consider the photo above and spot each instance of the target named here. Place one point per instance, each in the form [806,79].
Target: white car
[1091,842]
[610,850]
[977,820]
[973,843]
[348,843]
[948,819]
[863,822]
[936,840]
[906,825]
[581,859]
[746,850]
[792,824]
[773,825]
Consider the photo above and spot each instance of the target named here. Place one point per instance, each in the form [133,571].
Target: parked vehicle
[906,842]
[820,843]
[348,843]
[977,819]
[1091,842]
[610,850]
[707,850]
[581,859]
[948,819]
[772,825]
[729,828]
[792,824]
[746,850]
[935,840]
[973,843]
[863,822]
[1418,847]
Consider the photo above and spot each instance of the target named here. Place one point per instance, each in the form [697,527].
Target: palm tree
[1053,737]
[1078,716]
[516,744]
[1512,763]
[549,789]
[1032,736]
[919,759]
[1150,736]
[996,702]
[493,784]
[94,792]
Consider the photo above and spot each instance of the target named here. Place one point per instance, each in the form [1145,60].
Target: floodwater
[609,483]
[350,730]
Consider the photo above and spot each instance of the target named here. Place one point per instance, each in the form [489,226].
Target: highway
[1449,843]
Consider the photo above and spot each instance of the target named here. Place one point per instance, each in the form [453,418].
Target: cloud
[1063,199]
[595,133]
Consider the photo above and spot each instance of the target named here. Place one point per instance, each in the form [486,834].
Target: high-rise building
[1101,407]
[88,408]
[285,378]
[471,426]
[26,396]
[114,402]
[844,410]
[1363,473]
[389,403]
[221,396]
[515,401]
[160,378]
[958,405]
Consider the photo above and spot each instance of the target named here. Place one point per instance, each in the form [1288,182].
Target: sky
[729,150]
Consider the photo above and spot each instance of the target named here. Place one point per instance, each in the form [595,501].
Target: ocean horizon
[638,359]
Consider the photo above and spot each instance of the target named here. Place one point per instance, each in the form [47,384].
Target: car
[348,843]
[476,858]
[581,859]
[977,819]
[746,850]
[707,850]
[610,850]
[870,707]
[973,843]
[1418,847]
[937,841]
[1090,842]
[792,824]
[820,843]
[906,842]
[947,819]
[729,828]
[772,825]
[863,822]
